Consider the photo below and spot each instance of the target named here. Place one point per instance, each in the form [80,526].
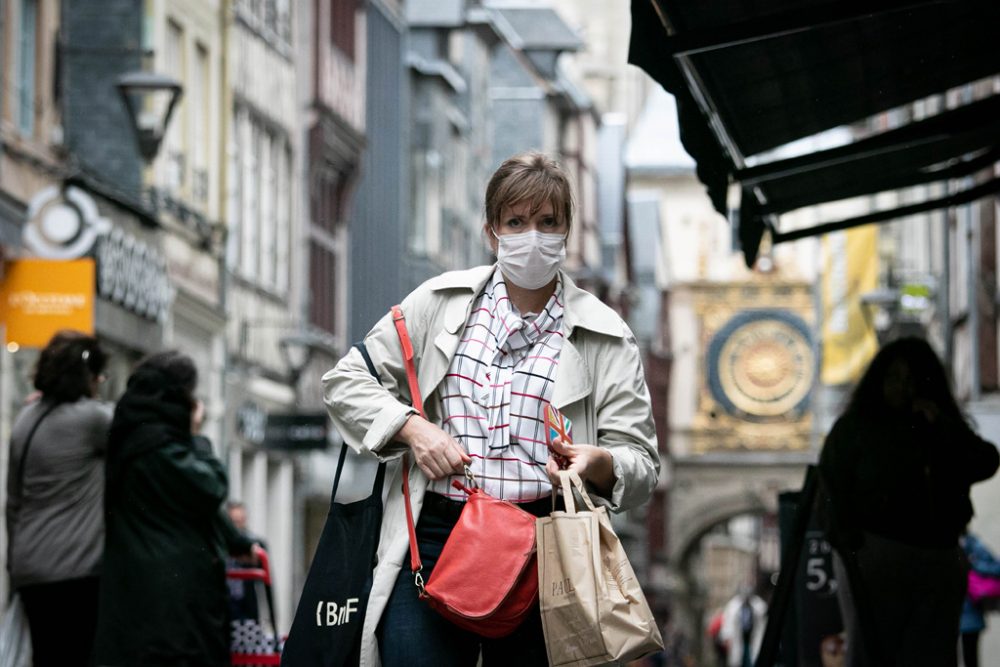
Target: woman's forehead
[526,207]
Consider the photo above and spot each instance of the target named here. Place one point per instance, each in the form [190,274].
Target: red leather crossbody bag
[486,579]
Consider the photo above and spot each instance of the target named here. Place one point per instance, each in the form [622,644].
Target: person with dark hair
[164,601]
[493,345]
[897,468]
[55,487]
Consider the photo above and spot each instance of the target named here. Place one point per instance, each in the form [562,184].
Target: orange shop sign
[38,297]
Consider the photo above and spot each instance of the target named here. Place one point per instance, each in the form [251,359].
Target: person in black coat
[897,468]
[163,598]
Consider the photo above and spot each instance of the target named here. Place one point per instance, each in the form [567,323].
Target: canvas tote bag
[326,630]
[593,610]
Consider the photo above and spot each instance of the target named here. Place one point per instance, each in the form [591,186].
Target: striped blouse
[495,391]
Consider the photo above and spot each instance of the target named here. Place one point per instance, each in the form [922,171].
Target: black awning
[751,76]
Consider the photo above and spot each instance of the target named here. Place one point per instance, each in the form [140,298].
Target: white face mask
[530,260]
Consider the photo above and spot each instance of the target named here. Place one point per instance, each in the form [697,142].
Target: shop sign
[134,275]
[63,223]
[39,297]
[296,431]
[251,423]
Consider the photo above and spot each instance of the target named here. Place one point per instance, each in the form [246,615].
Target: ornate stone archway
[708,491]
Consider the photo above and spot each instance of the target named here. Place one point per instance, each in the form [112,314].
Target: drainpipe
[947,333]
[226,10]
[972,252]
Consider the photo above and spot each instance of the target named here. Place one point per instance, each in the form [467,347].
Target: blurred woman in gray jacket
[55,492]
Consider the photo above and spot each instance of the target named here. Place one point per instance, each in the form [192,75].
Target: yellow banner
[39,297]
[850,269]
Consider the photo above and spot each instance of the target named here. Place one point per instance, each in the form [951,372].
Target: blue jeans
[411,634]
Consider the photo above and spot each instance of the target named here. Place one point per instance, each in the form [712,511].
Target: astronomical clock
[758,368]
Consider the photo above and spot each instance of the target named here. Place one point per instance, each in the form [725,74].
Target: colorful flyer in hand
[557,425]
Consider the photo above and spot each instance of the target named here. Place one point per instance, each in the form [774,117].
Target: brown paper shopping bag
[593,610]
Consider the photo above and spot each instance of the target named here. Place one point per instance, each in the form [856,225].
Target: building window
[327,243]
[284,216]
[267,209]
[234,190]
[260,196]
[322,286]
[342,26]
[173,156]
[200,119]
[26,67]
[285,21]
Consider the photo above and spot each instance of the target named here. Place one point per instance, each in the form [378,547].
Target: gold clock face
[764,367]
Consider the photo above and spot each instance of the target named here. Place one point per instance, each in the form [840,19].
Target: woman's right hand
[437,453]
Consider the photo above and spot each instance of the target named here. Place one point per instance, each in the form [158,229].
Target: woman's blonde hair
[529,177]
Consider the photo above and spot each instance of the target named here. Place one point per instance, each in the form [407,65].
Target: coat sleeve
[366,413]
[837,467]
[193,478]
[983,459]
[625,423]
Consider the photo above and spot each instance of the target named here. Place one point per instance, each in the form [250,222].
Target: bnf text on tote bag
[593,610]
[326,631]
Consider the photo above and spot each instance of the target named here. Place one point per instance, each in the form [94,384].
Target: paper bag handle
[570,479]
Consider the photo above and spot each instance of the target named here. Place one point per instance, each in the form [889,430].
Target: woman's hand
[197,416]
[437,453]
[593,464]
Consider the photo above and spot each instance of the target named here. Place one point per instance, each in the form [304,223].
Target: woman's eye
[513,222]
[549,222]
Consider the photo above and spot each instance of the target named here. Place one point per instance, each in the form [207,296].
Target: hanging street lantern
[150,99]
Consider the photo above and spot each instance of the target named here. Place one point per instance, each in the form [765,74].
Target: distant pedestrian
[243,603]
[237,511]
[164,602]
[743,621]
[55,491]
[973,622]
[677,650]
[897,468]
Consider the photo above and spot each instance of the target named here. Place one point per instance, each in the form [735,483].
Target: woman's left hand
[593,464]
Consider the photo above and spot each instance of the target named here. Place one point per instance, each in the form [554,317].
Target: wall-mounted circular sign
[761,364]
[63,223]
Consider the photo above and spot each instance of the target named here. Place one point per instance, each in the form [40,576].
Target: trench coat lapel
[573,380]
[456,312]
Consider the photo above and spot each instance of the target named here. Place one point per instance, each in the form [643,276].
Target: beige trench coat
[599,385]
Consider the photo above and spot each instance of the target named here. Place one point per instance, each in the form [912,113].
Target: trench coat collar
[582,309]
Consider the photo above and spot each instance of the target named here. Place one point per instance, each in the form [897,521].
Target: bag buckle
[472,478]
[418,579]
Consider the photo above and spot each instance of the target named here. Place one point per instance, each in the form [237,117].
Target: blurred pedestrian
[743,620]
[677,650]
[493,346]
[243,602]
[897,468]
[973,621]
[237,511]
[164,602]
[55,489]
[714,632]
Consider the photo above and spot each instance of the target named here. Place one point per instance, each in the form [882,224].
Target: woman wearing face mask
[493,345]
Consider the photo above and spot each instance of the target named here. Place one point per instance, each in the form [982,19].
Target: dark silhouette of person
[897,468]
[163,599]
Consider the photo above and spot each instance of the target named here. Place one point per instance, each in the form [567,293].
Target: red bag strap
[411,378]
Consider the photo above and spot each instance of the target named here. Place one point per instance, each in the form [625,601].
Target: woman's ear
[490,237]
